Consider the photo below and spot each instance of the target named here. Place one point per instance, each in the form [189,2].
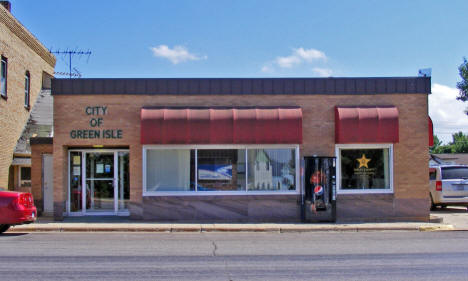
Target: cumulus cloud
[322,72]
[447,113]
[175,55]
[298,57]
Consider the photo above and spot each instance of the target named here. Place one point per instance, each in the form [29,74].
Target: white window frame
[211,193]
[339,147]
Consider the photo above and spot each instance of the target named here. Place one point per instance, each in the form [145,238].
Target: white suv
[448,185]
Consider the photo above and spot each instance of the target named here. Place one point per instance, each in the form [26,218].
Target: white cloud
[298,57]
[267,68]
[322,72]
[288,62]
[447,113]
[176,55]
[310,54]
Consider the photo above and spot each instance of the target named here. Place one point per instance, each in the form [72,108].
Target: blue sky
[261,39]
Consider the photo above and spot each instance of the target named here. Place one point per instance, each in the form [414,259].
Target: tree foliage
[459,144]
[463,84]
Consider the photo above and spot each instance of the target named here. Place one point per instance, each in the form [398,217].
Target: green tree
[436,147]
[459,143]
[439,147]
[463,84]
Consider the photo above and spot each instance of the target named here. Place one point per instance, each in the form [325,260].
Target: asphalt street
[235,256]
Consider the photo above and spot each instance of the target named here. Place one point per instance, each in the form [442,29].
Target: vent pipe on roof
[6,4]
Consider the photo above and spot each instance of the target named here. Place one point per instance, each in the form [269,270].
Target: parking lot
[456,216]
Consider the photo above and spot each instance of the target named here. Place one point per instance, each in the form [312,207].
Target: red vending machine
[319,189]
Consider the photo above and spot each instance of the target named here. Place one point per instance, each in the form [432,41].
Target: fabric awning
[431,132]
[376,124]
[279,125]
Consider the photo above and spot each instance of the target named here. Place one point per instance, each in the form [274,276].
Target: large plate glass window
[221,169]
[206,170]
[365,169]
[272,169]
[170,170]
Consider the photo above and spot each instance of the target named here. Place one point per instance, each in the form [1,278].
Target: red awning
[377,124]
[431,132]
[280,125]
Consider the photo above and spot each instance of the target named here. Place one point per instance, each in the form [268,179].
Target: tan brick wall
[410,154]
[37,150]
[21,49]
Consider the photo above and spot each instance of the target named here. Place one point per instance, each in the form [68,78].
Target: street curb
[445,227]
[196,228]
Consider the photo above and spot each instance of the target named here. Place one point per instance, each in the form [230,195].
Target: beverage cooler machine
[318,189]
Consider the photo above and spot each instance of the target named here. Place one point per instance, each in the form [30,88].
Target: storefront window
[221,170]
[365,169]
[271,169]
[170,170]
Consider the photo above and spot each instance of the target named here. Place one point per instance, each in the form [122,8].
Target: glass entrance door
[98,182]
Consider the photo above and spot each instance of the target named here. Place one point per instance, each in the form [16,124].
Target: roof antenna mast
[70,54]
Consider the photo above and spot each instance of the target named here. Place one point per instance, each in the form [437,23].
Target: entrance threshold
[98,214]
[97,219]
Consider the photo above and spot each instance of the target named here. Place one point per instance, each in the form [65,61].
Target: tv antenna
[70,54]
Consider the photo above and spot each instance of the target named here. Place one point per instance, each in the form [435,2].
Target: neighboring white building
[263,175]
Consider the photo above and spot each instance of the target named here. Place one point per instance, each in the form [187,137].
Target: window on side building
[25,176]
[3,77]
[27,84]
[365,168]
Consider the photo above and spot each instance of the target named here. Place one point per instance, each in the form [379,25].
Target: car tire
[4,227]
[433,206]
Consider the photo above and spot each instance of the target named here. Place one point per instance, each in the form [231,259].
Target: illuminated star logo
[363,161]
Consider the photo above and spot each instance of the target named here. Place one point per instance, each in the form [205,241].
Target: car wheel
[4,227]
[433,206]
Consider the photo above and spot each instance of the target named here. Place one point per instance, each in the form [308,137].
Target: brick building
[231,149]
[26,69]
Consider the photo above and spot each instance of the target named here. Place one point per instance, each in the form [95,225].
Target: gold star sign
[363,161]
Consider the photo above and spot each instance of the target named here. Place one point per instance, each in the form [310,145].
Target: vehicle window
[432,175]
[454,173]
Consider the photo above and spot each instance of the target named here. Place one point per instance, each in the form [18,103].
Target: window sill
[365,191]
[27,107]
[5,97]
[219,193]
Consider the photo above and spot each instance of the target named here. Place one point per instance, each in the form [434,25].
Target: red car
[16,208]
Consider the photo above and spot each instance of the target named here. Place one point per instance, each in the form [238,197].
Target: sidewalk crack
[215,247]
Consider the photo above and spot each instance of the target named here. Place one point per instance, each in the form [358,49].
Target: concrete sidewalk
[125,225]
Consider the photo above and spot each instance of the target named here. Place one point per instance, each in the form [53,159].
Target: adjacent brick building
[231,149]
[27,67]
